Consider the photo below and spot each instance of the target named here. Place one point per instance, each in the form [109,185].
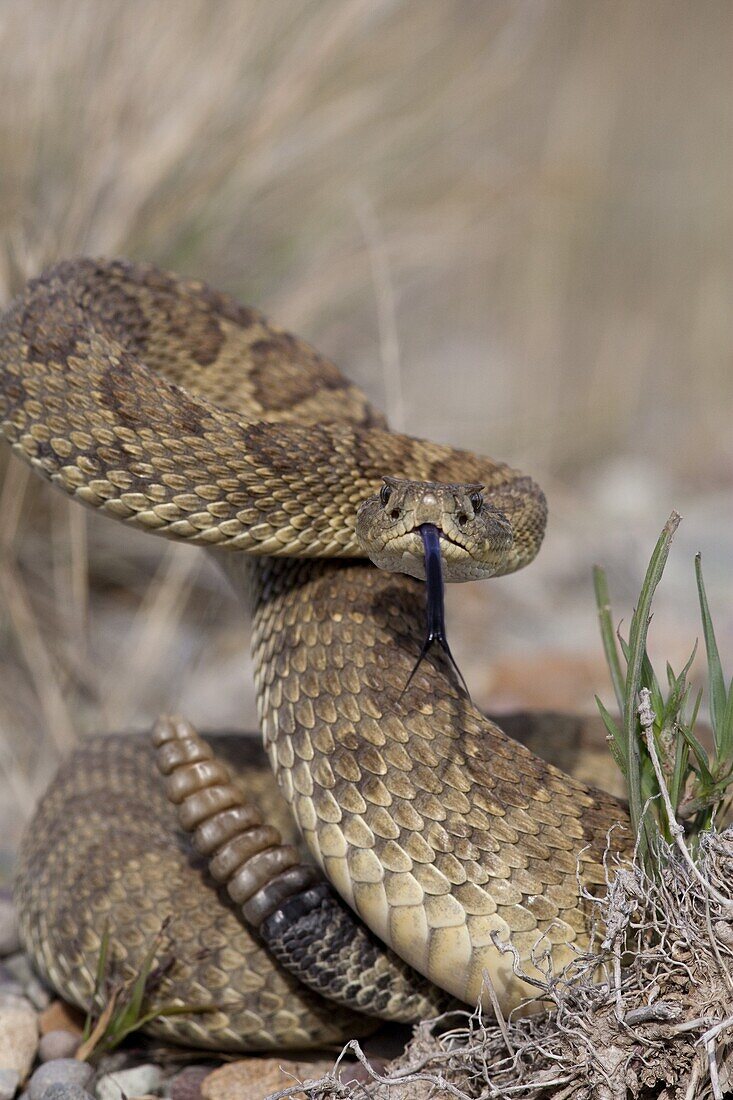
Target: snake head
[475,538]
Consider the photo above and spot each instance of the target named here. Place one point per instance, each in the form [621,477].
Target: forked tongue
[434,606]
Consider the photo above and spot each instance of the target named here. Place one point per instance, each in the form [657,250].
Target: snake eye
[477,500]
[385,493]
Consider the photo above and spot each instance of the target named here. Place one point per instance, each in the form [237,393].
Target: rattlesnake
[171,407]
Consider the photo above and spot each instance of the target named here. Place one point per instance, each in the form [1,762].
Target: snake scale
[171,407]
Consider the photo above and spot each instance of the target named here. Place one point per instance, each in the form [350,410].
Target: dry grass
[533,195]
[646,1012]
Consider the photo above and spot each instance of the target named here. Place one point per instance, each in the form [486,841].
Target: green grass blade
[139,987]
[701,755]
[608,637]
[637,652]
[695,710]
[715,671]
[683,675]
[616,742]
[649,680]
[725,747]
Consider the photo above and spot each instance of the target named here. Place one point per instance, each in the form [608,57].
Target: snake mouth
[411,542]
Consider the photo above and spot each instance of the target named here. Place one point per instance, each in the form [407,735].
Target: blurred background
[510,222]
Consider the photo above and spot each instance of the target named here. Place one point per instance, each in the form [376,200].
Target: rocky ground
[41,1055]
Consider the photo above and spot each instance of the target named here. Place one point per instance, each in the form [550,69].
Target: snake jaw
[477,538]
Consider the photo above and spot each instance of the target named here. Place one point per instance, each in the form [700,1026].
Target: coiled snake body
[171,407]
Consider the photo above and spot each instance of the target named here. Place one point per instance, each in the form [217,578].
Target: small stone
[19,965]
[66,1092]
[18,1035]
[253,1078]
[20,968]
[60,1016]
[186,1085]
[10,988]
[138,1081]
[9,935]
[9,1081]
[57,1044]
[62,1071]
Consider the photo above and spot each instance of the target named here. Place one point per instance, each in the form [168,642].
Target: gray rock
[19,965]
[9,988]
[66,1092]
[57,1044]
[62,1071]
[186,1085]
[9,936]
[138,1081]
[18,1035]
[9,1081]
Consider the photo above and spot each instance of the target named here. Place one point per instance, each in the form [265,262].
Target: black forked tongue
[435,607]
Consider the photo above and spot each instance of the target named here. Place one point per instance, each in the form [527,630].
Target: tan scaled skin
[440,831]
[171,407]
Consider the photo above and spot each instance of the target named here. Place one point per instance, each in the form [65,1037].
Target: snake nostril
[395,513]
[463,519]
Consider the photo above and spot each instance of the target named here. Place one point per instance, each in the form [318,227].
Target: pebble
[18,964]
[66,1092]
[62,1071]
[138,1081]
[253,1078]
[9,935]
[57,1044]
[9,988]
[186,1085]
[18,1035]
[9,1081]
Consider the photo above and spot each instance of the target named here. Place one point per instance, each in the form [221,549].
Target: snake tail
[293,910]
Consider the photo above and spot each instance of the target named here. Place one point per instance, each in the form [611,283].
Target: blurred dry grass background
[511,222]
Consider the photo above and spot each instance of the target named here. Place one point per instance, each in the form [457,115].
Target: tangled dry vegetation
[646,1012]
